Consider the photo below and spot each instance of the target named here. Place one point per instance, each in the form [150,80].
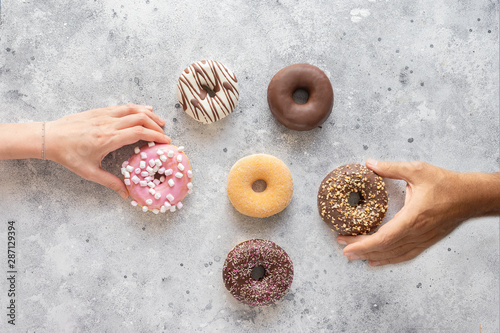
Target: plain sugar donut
[300,117]
[277,194]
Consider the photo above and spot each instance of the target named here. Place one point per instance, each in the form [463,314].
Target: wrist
[51,141]
[22,140]
[480,193]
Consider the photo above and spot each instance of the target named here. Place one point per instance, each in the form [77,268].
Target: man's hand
[437,201]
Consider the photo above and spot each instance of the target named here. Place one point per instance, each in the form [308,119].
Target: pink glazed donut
[158,177]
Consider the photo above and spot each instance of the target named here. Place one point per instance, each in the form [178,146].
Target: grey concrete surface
[412,80]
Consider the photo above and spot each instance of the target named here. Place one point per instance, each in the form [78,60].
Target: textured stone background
[412,80]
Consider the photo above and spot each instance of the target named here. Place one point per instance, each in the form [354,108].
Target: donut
[352,200]
[257,272]
[207,91]
[300,117]
[158,177]
[247,173]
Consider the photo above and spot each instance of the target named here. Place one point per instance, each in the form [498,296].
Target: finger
[124,110]
[401,251]
[416,238]
[133,134]
[413,239]
[388,234]
[346,240]
[138,119]
[394,252]
[405,257]
[105,178]
[394,170]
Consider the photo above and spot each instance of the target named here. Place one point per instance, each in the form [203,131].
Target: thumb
[111,181]
[394,170]
[384,238]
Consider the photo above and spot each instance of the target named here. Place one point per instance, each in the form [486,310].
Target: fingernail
[351,256]
[148,107]
[341,242]
[168,138]
[371,162]
[375,263]
[123,194]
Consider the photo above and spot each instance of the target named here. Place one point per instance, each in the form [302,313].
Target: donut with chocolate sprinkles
[352,200]
[258,272]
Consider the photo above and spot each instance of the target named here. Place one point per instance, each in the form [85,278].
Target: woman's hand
[437,201]
[80,141]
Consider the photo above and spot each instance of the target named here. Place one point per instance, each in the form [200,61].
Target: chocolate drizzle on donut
[258,272]
[194,97]
[338,207]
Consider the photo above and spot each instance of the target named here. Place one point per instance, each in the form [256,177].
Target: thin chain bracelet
[43,140]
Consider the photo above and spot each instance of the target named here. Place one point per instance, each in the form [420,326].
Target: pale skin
[437,201]
[80,141]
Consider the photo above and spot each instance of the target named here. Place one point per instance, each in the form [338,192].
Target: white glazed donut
[195,98]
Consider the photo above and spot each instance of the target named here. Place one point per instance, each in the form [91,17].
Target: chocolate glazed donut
[300,117]
[352,200]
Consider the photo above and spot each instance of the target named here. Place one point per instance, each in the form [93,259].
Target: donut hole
[300,96]
[355,199]
[209,91]
[259,186]
[258,273]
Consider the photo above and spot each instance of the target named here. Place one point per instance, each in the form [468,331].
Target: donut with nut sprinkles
[352,200]
[258,272]
[207,91]
[158,177]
